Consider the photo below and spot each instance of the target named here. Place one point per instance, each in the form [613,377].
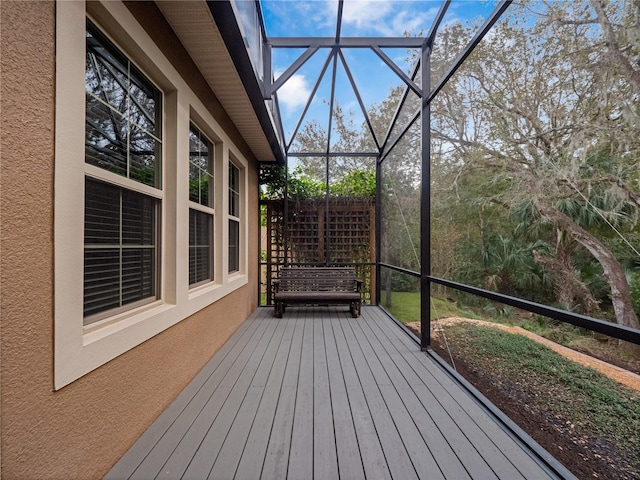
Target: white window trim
[242,219]
[77,349]
[207,209]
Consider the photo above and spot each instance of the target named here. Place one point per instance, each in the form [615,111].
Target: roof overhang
[210,33]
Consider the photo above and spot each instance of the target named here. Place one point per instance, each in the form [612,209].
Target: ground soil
[585,455]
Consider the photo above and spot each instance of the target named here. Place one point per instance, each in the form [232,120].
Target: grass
[584,397]
[406,307]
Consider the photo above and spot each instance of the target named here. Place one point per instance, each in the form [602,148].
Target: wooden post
[321,229]
[372,254]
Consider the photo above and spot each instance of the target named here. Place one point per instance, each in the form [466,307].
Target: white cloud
[388,18]
[294,93]
[365,14]
[361,17]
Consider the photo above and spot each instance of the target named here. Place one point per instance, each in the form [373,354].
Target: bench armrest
[358,285]
[276,285]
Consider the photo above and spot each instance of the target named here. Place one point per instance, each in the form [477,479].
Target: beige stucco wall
[80,431]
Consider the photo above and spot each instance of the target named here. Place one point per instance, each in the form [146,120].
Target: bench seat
[317,286]
[319,297]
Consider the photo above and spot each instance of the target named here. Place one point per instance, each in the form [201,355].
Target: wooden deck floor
[320,395]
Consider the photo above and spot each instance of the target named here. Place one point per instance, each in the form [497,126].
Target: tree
[538,107]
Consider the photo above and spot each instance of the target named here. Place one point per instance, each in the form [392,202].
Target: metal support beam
[293,68]
[285,220]
[473,43]
[306,107]
[425,206]
[360,102]
[348,42]
[398,71]
[614,330]
[339,22]
[332,100]
[378,232]
[431,36]
[267,72]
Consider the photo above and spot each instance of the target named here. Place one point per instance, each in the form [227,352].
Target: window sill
[122,321]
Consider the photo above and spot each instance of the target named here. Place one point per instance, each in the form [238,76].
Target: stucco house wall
[81,430]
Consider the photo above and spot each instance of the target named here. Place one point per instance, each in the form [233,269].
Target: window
[132,235]
[122,114]
[234,218]
[122,137]
[201,184]
[120,247]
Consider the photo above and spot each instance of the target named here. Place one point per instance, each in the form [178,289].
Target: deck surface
[318,394]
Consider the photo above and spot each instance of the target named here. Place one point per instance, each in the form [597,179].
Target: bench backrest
[317,279]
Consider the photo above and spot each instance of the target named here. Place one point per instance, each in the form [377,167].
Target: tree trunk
[568,287]
[613,273]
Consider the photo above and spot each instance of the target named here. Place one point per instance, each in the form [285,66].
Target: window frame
[211,249]
[79,349]
[234,217]
[202,208]
[127,181]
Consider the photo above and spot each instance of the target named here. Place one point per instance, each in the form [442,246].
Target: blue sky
[363,17]
[367,18]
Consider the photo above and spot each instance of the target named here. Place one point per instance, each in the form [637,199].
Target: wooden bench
[317,286]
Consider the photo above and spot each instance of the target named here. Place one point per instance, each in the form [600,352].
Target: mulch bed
[584,455]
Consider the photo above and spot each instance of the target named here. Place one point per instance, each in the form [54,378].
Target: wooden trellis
[346,236]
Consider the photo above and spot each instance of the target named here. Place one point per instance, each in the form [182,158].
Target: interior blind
[120,247]
[200,246]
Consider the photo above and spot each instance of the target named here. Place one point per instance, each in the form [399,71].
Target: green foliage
[303,185]
[273,180]
[581,396]
[507,265]
[144,174]
[634,285]
[592,275]
[400,282]
[558,332]
[199,188]
[300,184]
[405,307]
[444,308]
[357,183]
[533,140]
[503,311]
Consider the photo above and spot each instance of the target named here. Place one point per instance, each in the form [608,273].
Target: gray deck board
[318,394]
[301,454]
[233,447]
[349,461]
[173,417]
[258,438]
[398,459]
[325,458]
[449,464]
[223,413]
[373,458]
[276,460]
[498,449]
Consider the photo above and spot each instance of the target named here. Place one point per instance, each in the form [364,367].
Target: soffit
[193,24]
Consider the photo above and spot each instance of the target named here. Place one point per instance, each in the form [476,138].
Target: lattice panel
[275,248]
[349,236]
[306,231]
[350,232]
